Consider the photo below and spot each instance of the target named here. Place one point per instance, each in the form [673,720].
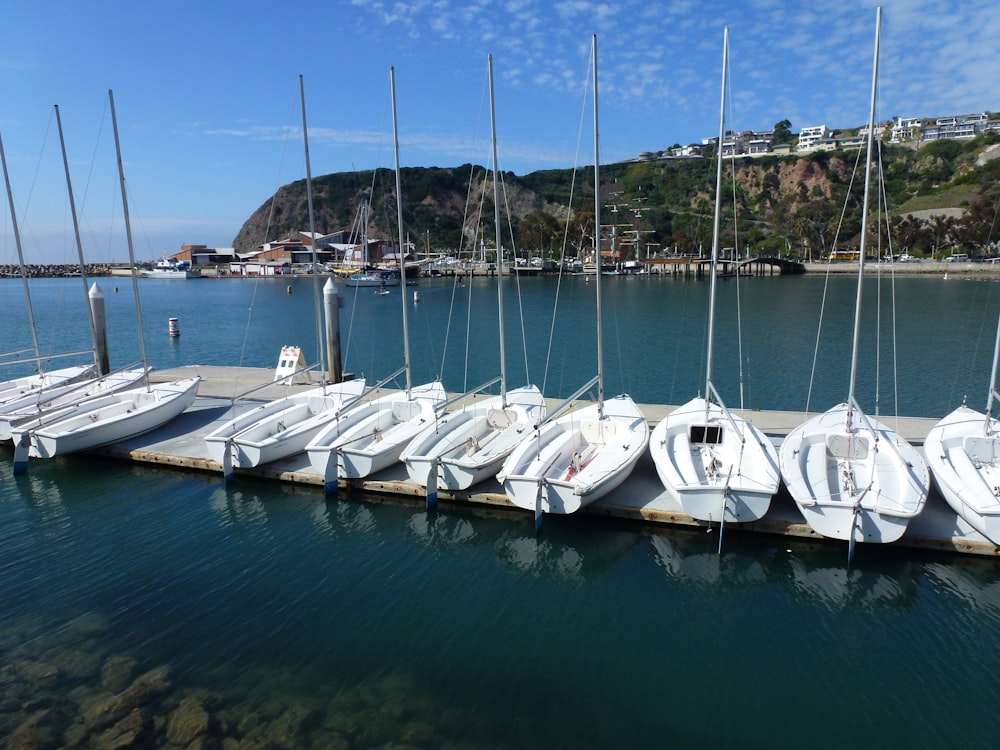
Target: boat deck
[641,498]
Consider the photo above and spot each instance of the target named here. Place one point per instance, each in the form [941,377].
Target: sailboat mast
[496,221]
[128,235]
[993,381]
[399,219]
[76,232]
[364,235]
[864,221]
[597,244]
[715,226]
[312,230]
[20,259]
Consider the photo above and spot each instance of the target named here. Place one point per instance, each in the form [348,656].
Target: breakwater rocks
[68,687]
[53,271]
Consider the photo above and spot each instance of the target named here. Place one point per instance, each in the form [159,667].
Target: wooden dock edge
[653,516]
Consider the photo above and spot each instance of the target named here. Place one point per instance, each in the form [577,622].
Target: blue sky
[207,92]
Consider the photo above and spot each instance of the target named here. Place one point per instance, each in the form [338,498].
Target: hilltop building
[748,143]
[960,126]
[814,135]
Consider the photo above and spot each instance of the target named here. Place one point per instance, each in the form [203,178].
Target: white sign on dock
[290,362]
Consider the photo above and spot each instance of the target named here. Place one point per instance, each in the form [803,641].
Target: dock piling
[331,307]
[96,298]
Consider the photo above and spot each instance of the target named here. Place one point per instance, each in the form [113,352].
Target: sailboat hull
[20,411]
[963,452]
[117,417]
[576,459]
[470,445]
[715,467]
[292,429]
[869,482]
[281,428]
[371,437]
[31,386]
[371,280]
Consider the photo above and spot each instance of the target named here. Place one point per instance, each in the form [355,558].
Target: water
[297,621]
[655,334]
[375,622]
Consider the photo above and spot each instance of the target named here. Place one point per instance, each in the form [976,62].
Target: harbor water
[266,614]
[925,347]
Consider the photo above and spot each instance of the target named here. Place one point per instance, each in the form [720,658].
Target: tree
[539,232]
[783,132]
[978,227]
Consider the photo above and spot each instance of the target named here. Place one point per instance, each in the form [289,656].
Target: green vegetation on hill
[797,205]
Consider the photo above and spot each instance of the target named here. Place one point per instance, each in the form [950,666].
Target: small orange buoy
[173,327]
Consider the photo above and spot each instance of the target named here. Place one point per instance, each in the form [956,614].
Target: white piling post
[331,306]
[96,298]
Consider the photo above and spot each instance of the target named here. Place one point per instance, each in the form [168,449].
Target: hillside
[783,204]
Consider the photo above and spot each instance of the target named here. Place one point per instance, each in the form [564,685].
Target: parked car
[957,258]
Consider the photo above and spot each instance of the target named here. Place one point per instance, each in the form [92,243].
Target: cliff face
[769,198]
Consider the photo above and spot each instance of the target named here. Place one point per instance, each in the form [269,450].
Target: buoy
[416,296]
[289,288]
[173,327]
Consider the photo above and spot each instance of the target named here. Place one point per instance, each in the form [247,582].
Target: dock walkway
[641,498]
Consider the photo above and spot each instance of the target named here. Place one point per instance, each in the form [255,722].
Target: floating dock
[641,498]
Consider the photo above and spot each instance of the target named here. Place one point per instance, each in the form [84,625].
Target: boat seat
[599,431]
[982,450]
[848,447]
[500,419]
[319,404]
[404,411]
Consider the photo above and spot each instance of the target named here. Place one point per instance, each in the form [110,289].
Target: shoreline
[964,270]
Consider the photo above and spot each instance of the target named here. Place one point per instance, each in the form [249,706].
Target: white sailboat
[368,276]
[47,401]
[282,428]
[574,459]
[853,477]
[716,464]
[469,444]
[41,384]
[108,418]
[963,453]
[371,436]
